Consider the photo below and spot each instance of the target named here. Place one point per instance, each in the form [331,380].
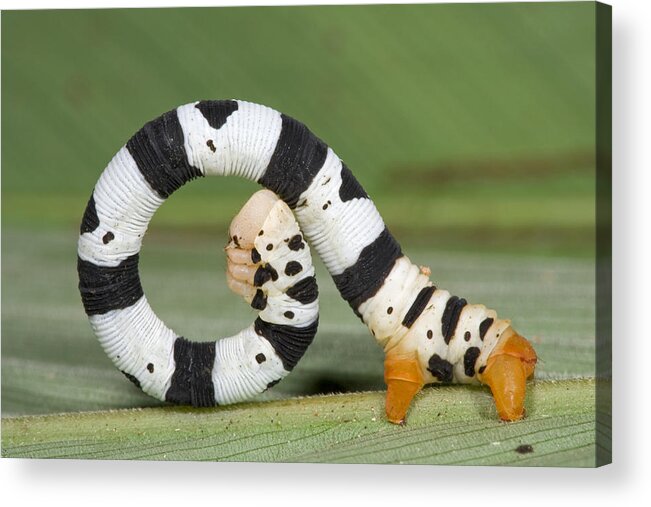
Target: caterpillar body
[312,199]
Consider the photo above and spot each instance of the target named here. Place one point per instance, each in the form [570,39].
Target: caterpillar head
[240,250]
[249,221]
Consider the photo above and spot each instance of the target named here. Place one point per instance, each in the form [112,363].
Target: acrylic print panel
[469,142]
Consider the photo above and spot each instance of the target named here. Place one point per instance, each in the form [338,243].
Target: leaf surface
[447,425]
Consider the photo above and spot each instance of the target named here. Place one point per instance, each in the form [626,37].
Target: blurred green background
[483,115]
[471,126]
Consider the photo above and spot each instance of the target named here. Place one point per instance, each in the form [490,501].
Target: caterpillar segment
[427,334]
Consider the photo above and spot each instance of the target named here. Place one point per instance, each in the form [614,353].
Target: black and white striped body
[335,215]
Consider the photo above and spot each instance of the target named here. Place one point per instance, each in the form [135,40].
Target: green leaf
[447,425]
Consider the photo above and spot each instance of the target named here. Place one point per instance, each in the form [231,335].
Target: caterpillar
[312,200]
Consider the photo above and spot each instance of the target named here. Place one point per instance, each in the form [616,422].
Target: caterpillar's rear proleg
[507,370]
[403,377]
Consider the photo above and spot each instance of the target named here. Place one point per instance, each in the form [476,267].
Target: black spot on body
[289,315]
[418,306]
[263,274]
[469,360]
[450,317]
[467,336]
[259,301]
[325,206]
[261,232]
[430,334]
[108,237]
[482,369]
[524,449]
[350,187]
[484,326]
[236,241]
[440,368]
[90,220]
[270,247]
[211,145]
[150,367]
[293,268]
[306,291]
[255,256]
[216,112]
[260,358]
[296,243]
[273,383]
[390,310]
